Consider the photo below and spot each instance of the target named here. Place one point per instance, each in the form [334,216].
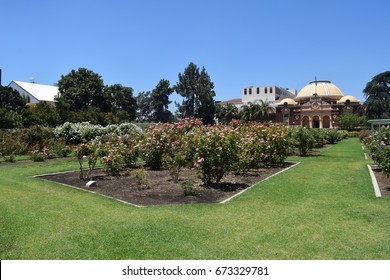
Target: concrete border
[241,192]
[81,189]
[374,182]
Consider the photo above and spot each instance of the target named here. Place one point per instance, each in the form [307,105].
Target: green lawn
[324,208]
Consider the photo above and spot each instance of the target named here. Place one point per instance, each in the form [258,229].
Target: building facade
[317,105]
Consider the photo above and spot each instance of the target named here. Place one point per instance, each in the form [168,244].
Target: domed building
[317,105]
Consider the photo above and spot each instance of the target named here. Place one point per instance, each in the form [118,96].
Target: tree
[80,90]
[11,100]
[42,113]
[160,101]
[121,102]
[226,113]
[197,89]
[144,107]
[265,107]
[377,93]
[12,104]
[348,121]
[251,112]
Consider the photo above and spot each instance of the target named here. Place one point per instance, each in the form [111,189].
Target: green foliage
[332,136]
[42,113]
[198,92]
[144,107]
[12,105]
[121,103]
[250,112]
[160,102]
[188,186]
[214,152]
[11,143]
[348,121]
[37,156]
[11,100]
[90,153]
[37,136]
[226,113]
[377,93]
[142,177]
[379,148]
[304,140]
[261,144]
[79,90]
[113,163]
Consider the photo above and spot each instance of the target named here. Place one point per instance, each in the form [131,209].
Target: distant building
[35,93]
[272,94]
[237,102]
[317,105]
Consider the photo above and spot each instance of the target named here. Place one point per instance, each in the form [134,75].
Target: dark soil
[382,179]
[161,189]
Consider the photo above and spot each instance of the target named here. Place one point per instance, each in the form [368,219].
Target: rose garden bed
[161,189]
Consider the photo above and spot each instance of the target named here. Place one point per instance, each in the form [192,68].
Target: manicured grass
[324,208]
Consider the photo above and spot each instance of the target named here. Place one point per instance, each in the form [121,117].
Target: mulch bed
[162,189]
[382,179]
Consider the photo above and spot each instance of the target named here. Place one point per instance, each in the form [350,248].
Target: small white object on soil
[91,184]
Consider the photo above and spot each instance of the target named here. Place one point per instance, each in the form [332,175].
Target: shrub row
[210,151]
[379,148]
[305,139]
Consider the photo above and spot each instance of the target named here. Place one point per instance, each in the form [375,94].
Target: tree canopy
[377,93]
[226,113]
[12,104]
[121,102]
[81,89]
[160,101]
[198,92]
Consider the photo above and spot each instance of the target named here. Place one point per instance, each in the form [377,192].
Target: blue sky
[240,43]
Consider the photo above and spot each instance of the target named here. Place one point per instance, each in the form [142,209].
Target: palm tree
[250,112]
[265,108]
[226,113]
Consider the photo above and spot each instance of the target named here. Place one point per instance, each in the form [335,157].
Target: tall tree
[377,93]
[121,101]
[80,90]
[11,100]
[160,101]
[11,106]
[265,107]
[198,92]
[144,107]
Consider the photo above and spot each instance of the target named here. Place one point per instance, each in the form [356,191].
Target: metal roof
[38,91]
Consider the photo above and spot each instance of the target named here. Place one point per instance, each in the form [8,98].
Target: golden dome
[346,98]
[324,89]
[289,101]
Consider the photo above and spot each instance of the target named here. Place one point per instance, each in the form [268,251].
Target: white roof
[40,92]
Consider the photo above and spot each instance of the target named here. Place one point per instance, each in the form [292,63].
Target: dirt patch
[161,189]
[382,179]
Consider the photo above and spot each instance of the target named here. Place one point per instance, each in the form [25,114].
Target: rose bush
[214,152]
[379,149]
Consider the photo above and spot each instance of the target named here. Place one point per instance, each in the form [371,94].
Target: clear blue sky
[240,43]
